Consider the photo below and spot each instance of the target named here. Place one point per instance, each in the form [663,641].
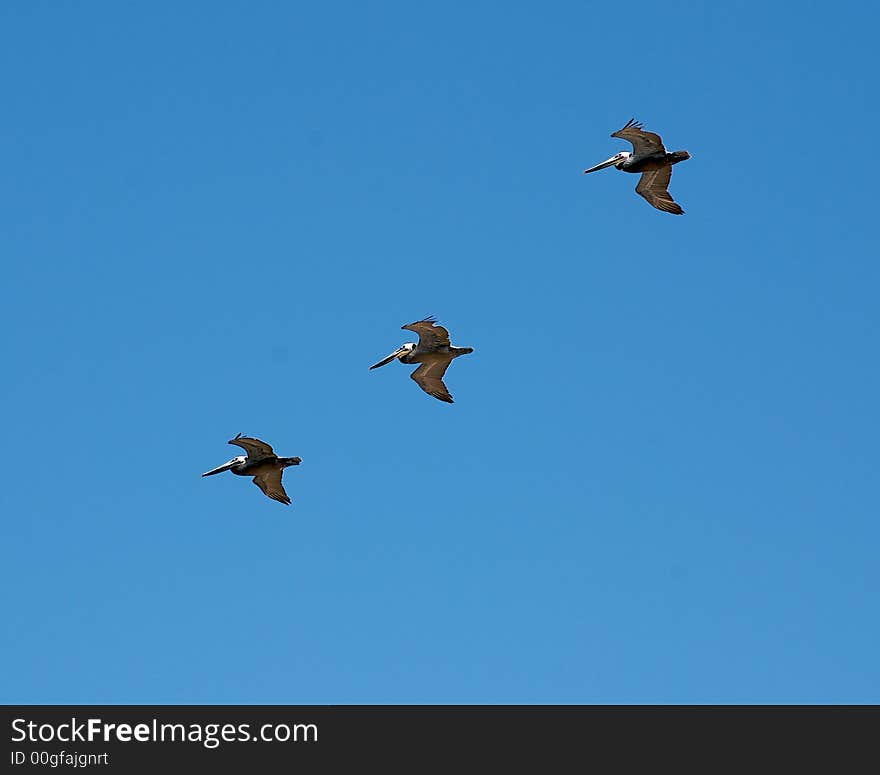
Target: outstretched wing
[270,483]
[429,377]
[256,449]
[652,186]
[431,336]
[643,143]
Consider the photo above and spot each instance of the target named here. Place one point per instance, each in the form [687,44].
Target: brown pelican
[433,351]
[262,463]
[652,160]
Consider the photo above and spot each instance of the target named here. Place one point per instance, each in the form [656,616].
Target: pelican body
[434,352]
[652,160]
[262,464]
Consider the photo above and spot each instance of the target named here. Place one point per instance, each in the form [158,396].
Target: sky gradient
[659,481]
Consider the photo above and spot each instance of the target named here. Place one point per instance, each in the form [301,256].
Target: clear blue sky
[659,481]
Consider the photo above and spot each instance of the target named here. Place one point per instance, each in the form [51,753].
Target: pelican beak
[396,354]
[607,163]
[220,469]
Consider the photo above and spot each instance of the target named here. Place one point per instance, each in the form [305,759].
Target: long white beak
[220,469]
[396,354]
[607,163]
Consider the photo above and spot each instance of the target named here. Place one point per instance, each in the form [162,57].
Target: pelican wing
[643,143]
[256,449]
[270,483]
[429,377]
[652,186]
[431,336]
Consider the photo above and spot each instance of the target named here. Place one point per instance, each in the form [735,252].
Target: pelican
[262,463]
[433,352]
[651,159]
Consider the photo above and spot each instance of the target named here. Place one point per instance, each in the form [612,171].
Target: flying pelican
[433,351]
[652,160]
[262,463]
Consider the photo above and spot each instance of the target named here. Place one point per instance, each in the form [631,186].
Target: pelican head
[398,353]
[618,158]
[226,466]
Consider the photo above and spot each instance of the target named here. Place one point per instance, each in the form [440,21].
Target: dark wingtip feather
[631,124]
[429,319]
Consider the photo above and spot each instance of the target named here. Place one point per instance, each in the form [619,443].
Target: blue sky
[659,480]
